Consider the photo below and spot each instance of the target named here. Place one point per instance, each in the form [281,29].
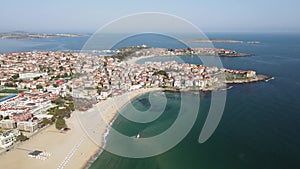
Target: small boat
[138,136]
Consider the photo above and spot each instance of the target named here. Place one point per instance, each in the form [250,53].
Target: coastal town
[143,50]
[42,88]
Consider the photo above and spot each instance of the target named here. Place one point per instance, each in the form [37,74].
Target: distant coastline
[27,35]
[219,41]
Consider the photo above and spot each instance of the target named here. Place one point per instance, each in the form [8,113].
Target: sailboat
[138,136]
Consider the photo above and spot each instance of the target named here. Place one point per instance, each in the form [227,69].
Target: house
[200,83]
[156,82]
[189,83]
[177,83]
[105,93]
[251,73]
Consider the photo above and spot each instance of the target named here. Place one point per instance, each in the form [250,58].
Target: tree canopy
[161,72]
[60,124]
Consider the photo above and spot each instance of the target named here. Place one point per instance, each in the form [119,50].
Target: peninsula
[27,35]
[218,41]
[144,51]
[44,88]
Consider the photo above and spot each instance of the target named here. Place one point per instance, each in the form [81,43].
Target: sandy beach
[133,60]
[76,147]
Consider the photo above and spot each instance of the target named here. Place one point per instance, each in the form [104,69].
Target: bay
[260,125]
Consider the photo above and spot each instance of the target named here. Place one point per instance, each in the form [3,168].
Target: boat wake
[272,78]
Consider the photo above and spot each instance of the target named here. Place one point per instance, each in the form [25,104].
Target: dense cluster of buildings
[40,77]
[200,51]
[113,77]
[29,69]
[23,111]
[47,75]
[23,108]
[186,51]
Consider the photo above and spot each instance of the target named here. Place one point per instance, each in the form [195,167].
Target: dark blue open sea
[260,127]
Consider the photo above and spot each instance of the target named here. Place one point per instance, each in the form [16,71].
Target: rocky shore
[249,80]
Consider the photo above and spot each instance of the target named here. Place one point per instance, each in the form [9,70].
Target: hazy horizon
[213,16]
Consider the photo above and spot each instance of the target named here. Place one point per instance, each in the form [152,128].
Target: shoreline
[147,90]
[133,95]
[67,152]
[257,79]
[71,149]
[85,142]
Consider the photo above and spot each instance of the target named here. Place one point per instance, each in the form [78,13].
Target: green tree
[46,121]
[21,137]
[60,112]
[161,72]
[39,86]
[60,123]
[36,78]
[65,74]
[52,118]
[16,76]
[99,89]
[10,85]
[71,106]
[61,68]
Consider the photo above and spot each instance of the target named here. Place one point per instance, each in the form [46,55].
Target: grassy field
[11,91]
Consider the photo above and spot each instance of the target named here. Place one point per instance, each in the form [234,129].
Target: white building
[104,94]
[135,87]
[177,83]
[40,107]
[8,124]
[27,126]
[8,138]
[189,83]
[31,75]
[54,90]
[200,83]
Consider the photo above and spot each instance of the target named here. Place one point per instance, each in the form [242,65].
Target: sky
[208,15]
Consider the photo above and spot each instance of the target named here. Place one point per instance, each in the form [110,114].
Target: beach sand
[72,149]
